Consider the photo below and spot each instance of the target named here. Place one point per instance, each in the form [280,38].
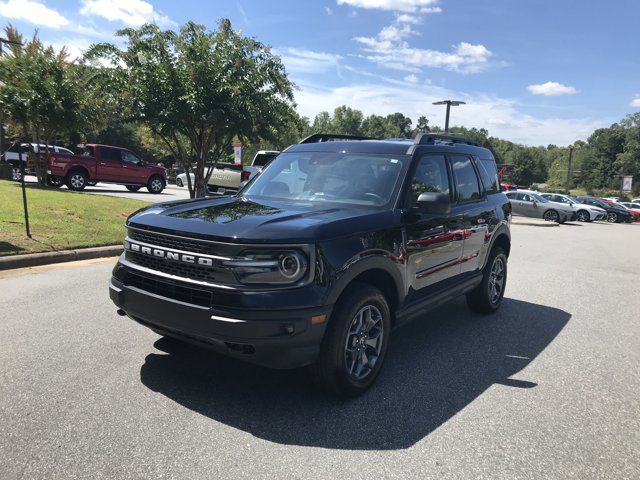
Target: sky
[536,72]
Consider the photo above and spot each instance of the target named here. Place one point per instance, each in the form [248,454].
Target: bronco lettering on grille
[168,254]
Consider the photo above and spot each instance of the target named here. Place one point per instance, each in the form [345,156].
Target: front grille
[180,269]
[165,289]
[177,243]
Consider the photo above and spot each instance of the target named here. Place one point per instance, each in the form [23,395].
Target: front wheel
[551,216]
[355,343]
[179,182]
[487,297]
[133,188]
[155,184]
[612,217]
[16,174]
[583,216]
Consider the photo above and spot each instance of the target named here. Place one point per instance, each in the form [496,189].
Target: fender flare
[365,264]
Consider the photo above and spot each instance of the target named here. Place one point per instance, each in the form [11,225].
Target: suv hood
[239,220]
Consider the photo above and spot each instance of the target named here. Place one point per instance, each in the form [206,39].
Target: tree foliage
[197,89]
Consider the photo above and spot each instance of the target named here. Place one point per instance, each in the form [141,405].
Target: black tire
[179,182]
[583,216]
[55,182]
[612,217]
[331,371]
[76,180]
[483,299]
[155,184]
[551,216]
[133,188]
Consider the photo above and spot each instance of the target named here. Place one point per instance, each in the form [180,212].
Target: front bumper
[285,338]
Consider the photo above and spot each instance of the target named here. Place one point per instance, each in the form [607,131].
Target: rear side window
[263,159]
[466,179]
[110,154]
[489,175]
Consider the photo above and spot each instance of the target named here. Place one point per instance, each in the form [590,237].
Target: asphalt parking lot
[171,192]
[546,388]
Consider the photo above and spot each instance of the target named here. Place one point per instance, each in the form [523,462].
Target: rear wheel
[583,216]
[612,217]
[133,188]
[355,343]
[155,184]
[487,297]
[16,174]
[551,216]
[54,181]
[76,180]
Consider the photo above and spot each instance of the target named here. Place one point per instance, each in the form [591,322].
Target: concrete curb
[45,258]
[532,222]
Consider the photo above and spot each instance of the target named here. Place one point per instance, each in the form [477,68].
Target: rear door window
[488,175]
[110,154]
[467,182]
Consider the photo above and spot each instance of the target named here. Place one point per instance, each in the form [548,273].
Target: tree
[399,125]
[197,90]
[42,93]
[347,121]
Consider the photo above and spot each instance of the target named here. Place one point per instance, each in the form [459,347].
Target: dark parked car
[314,263]
[614,214]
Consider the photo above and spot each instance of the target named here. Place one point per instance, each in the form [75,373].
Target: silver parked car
[584,212]
[530,204]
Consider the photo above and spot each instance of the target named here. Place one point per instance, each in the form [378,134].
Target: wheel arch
[78,168]
[378,272]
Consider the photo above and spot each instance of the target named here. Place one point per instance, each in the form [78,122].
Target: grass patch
[60,219]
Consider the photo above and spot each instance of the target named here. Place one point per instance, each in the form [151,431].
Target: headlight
[278,268]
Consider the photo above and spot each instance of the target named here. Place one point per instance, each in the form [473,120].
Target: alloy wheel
[551,216]
[496,280]
[364,342]
[612,217]
[77,180]
[156,184]
[583,216]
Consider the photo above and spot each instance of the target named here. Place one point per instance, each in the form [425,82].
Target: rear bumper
[271,338]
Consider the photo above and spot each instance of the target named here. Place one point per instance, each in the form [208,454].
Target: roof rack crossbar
[430,138]
[323,137]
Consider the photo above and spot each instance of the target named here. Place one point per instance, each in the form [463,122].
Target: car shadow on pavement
[434,368]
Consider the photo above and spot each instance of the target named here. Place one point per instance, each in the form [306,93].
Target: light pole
[448,103]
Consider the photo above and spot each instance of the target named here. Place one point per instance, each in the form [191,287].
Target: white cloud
[551,89]
[133,13]
[308,61]
[500,116]
[390,48]
[75,46]
[33,12]
[422,6]
[411,78]
[328,10]
[635,103]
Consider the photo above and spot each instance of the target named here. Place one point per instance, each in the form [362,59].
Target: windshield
[330,177]
[573,199]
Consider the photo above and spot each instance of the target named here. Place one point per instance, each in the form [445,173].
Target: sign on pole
[627,183]
[237,154]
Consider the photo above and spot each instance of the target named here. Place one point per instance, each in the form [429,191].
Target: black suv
[339,240]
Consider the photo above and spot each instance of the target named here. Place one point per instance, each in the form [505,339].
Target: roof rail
[430,138]
[323,137]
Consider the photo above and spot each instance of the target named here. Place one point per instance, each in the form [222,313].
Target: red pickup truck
[103,163]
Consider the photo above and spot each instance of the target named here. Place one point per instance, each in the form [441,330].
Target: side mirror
[434,202]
